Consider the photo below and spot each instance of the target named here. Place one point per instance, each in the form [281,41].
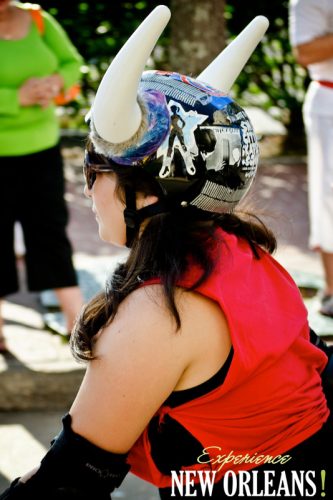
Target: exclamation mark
[323,477]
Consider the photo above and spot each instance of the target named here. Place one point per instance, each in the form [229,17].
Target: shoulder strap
[36,14]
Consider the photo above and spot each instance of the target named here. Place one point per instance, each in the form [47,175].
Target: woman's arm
[43,90]
[69,59]
[35,91]
[140,359]
[309,30]
[317,50]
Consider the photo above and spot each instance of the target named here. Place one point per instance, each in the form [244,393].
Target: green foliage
[98,30]
[271,79]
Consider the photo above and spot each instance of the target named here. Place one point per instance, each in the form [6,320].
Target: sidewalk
[40,376]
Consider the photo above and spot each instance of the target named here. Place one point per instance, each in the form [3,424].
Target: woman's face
[108,208]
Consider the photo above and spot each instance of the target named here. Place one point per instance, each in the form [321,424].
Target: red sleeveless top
[271,399]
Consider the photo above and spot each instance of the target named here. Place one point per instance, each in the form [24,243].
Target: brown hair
[163,250]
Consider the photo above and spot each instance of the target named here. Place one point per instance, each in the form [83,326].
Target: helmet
[188,133]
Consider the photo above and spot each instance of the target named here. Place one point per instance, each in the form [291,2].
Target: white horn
[115,112]
[225,68]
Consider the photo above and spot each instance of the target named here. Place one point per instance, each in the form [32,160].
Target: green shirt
[29,129]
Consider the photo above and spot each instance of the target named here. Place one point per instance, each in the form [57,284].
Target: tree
[99,29]
[197,34]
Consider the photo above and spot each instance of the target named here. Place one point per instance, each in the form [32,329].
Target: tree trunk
[197,34]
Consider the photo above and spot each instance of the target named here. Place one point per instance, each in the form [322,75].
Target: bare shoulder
[143,316]
[147,301]
[145,313]
[196,351]
[147,307]
[141,358]
[139,362]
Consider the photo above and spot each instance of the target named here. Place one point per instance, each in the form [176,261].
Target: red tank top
[271,399]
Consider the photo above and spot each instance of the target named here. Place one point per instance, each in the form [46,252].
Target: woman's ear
[145,200]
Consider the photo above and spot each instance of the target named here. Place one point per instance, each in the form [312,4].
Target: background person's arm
[69,59]
[317,50]
[309,31]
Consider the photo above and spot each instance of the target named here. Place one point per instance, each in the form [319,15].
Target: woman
[38,62]
[201,375]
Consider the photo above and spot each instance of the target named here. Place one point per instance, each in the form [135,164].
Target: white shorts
[319,130]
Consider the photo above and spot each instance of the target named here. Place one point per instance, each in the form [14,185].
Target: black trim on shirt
[178,398]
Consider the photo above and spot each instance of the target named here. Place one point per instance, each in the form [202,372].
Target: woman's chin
[102,235]
[110,239]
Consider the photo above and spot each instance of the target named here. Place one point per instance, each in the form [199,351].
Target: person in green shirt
[37,63]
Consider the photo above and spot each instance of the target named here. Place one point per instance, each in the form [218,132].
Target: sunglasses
[90,170]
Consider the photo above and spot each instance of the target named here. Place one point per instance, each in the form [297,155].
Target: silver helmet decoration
[187,132]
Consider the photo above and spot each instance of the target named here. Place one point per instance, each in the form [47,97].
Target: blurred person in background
[311,35]
[38,63]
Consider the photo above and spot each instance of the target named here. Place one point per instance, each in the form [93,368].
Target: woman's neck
[14,23]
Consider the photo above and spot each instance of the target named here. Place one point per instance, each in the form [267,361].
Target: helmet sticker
[182,127]
[210,138]
[216,198]
[250,149]
[227,149]
[183,89]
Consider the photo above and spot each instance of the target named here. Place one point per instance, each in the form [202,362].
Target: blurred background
[197,32]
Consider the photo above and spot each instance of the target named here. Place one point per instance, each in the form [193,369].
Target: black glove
[73,469]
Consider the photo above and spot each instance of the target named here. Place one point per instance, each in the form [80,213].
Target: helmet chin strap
[131,216]
[134,217]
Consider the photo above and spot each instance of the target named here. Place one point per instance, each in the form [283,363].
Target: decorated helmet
[188,133]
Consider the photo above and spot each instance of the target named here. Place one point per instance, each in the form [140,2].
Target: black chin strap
[134,217]
[130,216]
